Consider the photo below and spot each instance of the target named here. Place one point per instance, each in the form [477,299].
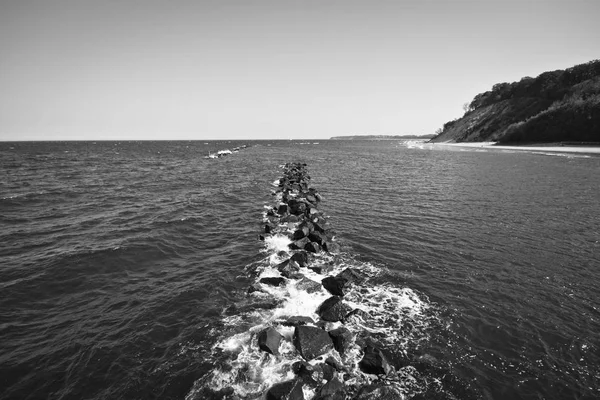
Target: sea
[125,267]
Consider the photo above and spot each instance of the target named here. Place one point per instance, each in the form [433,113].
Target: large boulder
[311,342]
[301,258]
[269,340]
[288,390]
[374,362]
[333,309]
[336,285]
[341,338]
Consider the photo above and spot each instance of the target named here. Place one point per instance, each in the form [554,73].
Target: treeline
[562,105]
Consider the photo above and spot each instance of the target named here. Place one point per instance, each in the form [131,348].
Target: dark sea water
[124,266]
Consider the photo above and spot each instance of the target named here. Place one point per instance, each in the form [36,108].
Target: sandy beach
[552,149]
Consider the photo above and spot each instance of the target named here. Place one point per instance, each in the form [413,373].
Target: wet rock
[335,363]
[282,209]
[254,288]
[308,285]
[273,281]
[317,237]
[299,244]
[269,228]
[298,320]
[332,247]
[311,342]
[301,258]
[312,247]
[378,392]
[300,233]
[290,270]
[341,338]
[297,207]
[332,390]
[328,371]
[336,285]
[290,218]
[352,275]
[333,309]
[269,340]
[309,374]
[374,362]
[288,390]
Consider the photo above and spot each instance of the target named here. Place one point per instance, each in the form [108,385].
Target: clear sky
[170,69]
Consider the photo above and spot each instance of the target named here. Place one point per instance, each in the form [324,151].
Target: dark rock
[282,209]
[332,390]
[254,288]
[337,364]
[309,374]
[288,390]
[273,281]
[328,371]
[312,247]
[298,320]
[301,258]
[308,285]
[333,309]
[321,268]
[311,342]
[299,244]
[317,237]
[300,233]
[374,362]
[289,270]
[377,392]
[297,207]
[336,285]
[261,237]
[269,228]
[269,340]
[341,338]
[352,275]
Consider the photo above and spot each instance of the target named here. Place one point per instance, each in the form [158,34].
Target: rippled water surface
[120,262]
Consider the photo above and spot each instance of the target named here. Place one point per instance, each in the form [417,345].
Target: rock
[298,320]
[333,309]
[308,285]
[289,270]
[352,275]
[300,233]
[376,392]
[301,258]
[297,207]
[273,281]
[341,338]
[332,247]
[328,371]
[269,228]
[335,363]
[332,390]
[269,340]
[288,390]
[336,285]
[374,362]
[312,247]
[299,244]
[317,237]
[282,209]
[311,342]
[254,288]
[309,374]
[290,218]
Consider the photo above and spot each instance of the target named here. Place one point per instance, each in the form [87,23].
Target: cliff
[556,106]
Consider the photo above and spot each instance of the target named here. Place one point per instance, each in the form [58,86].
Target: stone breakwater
[313,325]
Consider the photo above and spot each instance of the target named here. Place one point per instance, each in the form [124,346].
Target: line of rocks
[323,351]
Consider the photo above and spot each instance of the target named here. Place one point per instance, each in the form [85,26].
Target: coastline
[533,147]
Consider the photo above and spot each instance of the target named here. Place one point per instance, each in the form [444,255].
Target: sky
[255,69]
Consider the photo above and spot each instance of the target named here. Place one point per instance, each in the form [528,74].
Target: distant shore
[551,147]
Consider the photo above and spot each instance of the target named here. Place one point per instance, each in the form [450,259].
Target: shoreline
[530,147]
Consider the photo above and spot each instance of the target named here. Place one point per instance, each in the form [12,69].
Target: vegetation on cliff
[556,106]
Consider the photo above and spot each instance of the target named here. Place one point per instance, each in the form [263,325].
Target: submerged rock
[311,342]
[288,390]
[378,392]
[333,309]
[308,285]
[269,340]
[374,362]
